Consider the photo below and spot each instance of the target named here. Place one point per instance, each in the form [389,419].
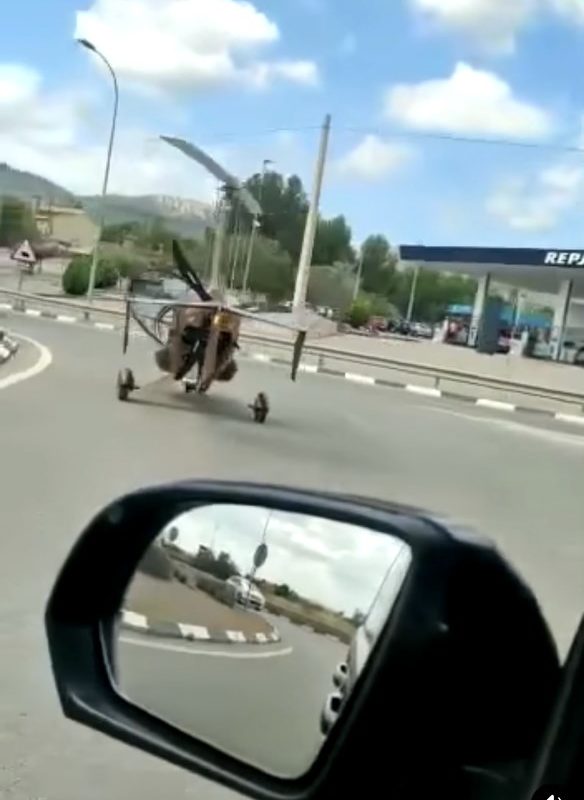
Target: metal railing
[322,353]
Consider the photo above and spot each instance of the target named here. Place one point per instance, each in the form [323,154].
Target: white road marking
[5,307]
[134,619]
[196,631]
[427,391]
[104,326]
[66,318]
[235,636]
[511,426]
[364,379]
[32,312]
[577,419]
[311,368]
[192,651]
[45,359]
[497,405]
[261,357]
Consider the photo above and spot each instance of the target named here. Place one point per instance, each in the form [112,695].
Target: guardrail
[323,353]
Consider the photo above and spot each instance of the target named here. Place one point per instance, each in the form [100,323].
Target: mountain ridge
[185,217]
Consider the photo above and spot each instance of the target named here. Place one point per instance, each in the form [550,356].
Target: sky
[453,121]
[340,566]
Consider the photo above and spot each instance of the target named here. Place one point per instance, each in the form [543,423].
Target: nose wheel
[125,384]
[260,408]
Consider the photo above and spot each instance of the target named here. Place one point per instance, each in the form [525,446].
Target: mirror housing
[459,686]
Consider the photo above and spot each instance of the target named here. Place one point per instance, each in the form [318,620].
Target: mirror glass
[248,627]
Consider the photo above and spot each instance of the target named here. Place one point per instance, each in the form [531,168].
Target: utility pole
[223,214]
[303,274]
[359,275]
[255,224]
[412,294]
[95,258]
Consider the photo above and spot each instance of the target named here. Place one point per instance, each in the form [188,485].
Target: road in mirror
[248,627]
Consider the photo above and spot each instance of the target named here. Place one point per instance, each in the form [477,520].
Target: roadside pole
[412,299]
[357,286]
[303,274]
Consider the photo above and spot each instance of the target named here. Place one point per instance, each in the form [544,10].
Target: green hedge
[76,276]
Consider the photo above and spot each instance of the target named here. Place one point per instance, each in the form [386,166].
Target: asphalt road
[261,703]
[68,447]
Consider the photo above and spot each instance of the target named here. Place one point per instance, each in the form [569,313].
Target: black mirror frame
[411,653]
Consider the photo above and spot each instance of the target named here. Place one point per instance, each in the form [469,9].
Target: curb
[130,620]
[64,318]
[426,391]
[314,369]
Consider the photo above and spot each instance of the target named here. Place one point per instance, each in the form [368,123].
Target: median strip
[131,620]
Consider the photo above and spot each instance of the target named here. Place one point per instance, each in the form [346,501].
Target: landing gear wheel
[125,384]
[260,408]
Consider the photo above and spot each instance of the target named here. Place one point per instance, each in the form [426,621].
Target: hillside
[184,217]
[187,218]
[28,186]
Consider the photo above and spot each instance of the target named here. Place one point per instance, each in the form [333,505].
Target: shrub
[76,276]
[156,564]
[359,313]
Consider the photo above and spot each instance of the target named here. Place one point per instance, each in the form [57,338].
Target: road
[68,447]
[260,703]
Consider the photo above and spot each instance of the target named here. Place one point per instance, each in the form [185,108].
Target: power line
[401,134]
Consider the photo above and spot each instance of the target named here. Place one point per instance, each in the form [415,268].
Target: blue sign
[506,256]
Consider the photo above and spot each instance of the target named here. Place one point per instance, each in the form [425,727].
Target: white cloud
[334,563]
[49,134]
[174,45]
[538,202]
[492,24]
[374,158]
[573,10]
[261,74]
[470,102]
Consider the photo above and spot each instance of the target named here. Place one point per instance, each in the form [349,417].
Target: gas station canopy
[526,268]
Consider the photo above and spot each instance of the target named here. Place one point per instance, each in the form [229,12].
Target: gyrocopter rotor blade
[196,154]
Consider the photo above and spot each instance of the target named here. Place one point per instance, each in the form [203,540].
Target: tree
[434,293]
[16,223]
[331,287]
[285,206]
[272,272]
[378,273]
[332,241]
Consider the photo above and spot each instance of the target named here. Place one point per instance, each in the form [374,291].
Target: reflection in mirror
[248,627]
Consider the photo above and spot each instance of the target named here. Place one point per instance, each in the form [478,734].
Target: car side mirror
[284,643]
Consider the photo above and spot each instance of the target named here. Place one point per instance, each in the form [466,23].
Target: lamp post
[254,226]
[94,261]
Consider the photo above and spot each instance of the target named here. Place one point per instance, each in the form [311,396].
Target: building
[559,273]
[69,225]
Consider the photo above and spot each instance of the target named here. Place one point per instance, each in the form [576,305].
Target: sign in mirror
[248,627]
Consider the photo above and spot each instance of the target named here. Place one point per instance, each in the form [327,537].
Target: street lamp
[94,261]
[254,226]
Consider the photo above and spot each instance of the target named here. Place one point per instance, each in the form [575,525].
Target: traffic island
[171,609]
[139,623]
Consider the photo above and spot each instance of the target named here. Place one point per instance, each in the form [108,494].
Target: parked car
[366,635]
[245,593]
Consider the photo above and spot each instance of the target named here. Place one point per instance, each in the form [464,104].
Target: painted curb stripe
[427,391]
[497,405]
[133,621]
